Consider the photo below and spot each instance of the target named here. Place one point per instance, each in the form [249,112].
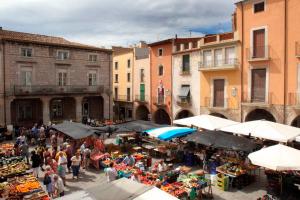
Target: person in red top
[53,164]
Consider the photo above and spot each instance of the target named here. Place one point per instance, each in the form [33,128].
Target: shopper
[58,186]
[129,160]
[76,160]
[35,163]
[62,166]
[48,180]
[86,158]
[24,151]
[52,163]
[111,173]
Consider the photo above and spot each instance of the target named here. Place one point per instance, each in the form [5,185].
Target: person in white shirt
[58,186]
[162,167]
[76,160]
[111,173]
[62,166]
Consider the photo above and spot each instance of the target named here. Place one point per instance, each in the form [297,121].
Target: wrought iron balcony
[266,99]
[221,64]
[159,100]
[184,102]
[259,53]
[124,98]
[55,89]
[141,98]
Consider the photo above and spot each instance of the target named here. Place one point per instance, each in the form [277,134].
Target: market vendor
[129,160]
[162,167]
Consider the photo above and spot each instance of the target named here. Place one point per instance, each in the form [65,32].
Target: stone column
[46,109]
[78,108]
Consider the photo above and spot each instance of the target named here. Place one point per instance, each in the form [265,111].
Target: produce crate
[222,182]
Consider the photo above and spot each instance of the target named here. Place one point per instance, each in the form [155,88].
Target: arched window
[160,70]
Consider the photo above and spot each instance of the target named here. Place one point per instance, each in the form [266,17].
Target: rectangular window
[116,93]
[259,44]
[93,58]
[161,70]
[230,55]
[142,75]
[186,63]
[116,65]
[128,77]
[62,78]
[177,47]
[258,85]
[259,7]
[92,78]
[116,78]
[128,94]
[26,52]
[128,63]
[195,44]
[62,55]
[24,111]
[185,93]
[160,52]
[26,78]
[218,57]
[207,58]
[219,92]
[186,45]
[57,108]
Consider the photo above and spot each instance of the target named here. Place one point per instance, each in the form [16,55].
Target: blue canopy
[167,133]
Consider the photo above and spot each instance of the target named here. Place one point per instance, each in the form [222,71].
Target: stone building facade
[47,78]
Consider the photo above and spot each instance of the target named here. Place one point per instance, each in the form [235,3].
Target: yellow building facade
[123,83]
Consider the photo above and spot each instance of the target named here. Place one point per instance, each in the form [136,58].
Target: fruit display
[176,189]
[192,181]
[232,169]
[12,168]
[6,146]
[22,187]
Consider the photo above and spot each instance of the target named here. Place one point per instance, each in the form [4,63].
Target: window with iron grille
[259,7]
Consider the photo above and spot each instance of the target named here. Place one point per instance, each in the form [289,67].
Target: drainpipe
[4,83]
[242,63]
[285,61]
[110,84]
[172,82]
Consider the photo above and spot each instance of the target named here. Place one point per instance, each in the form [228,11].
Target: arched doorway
[162,117]
[184,114]
[218,115]
[142,113]
[296,122]
[92,107]
[258,114]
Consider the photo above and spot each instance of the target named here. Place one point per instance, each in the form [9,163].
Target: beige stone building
[47,78]
[141,82]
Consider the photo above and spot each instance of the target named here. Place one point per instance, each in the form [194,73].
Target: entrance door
[259,43]
[142,92]
[258,85]
[219,85]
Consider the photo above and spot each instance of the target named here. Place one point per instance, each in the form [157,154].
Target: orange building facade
[269,31]
[161,81]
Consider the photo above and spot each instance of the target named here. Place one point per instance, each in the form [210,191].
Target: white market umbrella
[155,193]
[208,122]
[278,157]
[265,129]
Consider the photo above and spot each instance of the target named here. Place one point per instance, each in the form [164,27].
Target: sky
[117,22]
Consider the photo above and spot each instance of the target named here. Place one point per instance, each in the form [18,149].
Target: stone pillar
[46,109]
[8,102]
[78,108]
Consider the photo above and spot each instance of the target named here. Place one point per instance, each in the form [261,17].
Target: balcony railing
[226,36]
[265,98]
[55,89]
[159,100]
[124,98]
[209,39]
[258,53]
[210,103]
[219,64]
[298,49]
[141,98]
[185,72]
[184,102]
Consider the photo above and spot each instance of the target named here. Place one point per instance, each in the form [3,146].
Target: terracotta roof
[44,40]
[161,42]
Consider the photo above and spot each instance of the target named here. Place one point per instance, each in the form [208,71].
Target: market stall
[168,133]
[282,164]
[22,188]
[265,130]
[208,122]
[11,167]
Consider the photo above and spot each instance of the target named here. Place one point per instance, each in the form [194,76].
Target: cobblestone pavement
[92,177]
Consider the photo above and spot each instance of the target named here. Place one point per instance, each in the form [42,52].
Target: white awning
[278,157]
[155,193]
[265,129]
[208,122]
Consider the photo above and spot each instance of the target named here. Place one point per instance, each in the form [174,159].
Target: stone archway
[142,113]
[162,117]
[218,115]
[184,114]
[259,114]
[92,107]
[63,108]
[296,122]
